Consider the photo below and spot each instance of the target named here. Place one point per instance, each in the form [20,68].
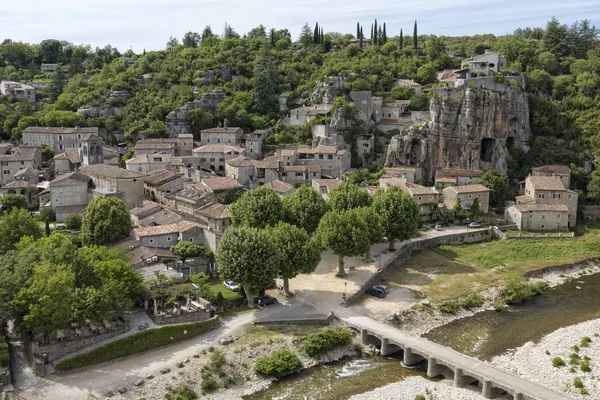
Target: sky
[148,24]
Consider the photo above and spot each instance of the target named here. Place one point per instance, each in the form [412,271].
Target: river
[483,335]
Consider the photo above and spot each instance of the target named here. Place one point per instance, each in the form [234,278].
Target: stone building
[228,136]
[182,145]
[252,173]
[408,83]
[488,63]
[167,236]
[466,195]
[562,172]
[146,163]
[60,139]
[426,197]
[17,91]
[48,69]
[15,159]
[111,181]
[283,189]
[69,194]
[217,216]
[302,115]
[539,217]
[365,144]
[452,177]
[254,142]
[324,186]
[411,174]
[214,156]
[329,159]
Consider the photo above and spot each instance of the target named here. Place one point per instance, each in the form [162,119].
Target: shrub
[420,397]
[448,307]
[217,360]
[585,366]
[209,385]
[585,341]
[183,393]
[558,362]
[325,340]
[278,364]
[578,383]
[146,340]
[473,300]
[574,359]
[516,290]
[4,356]
[73,222]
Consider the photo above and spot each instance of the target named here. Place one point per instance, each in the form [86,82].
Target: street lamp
[345,290]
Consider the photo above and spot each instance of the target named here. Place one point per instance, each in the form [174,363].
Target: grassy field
[216,286]
[451,272]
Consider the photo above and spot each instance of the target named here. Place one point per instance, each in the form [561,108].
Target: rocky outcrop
[327,92]
[178,121]
[471,128]
[95,112]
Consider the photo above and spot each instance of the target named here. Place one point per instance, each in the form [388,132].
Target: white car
[474,225]
[438,227]
[231,286]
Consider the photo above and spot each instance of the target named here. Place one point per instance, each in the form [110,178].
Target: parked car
[376,292]
[231,286]
[474,225]
[383,288]
[266,300]
[438,227]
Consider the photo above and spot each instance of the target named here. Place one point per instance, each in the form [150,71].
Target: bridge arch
[369,339]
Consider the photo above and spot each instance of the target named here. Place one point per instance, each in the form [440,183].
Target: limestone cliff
[472,128]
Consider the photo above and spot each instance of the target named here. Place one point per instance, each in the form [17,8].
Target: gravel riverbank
[534,361]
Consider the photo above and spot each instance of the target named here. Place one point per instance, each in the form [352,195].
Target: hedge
[325,340]
[4,356]
[278,364]
[146,340]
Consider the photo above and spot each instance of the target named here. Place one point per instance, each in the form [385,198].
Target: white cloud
[147,24]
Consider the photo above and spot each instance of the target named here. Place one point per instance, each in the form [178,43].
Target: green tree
[185,250]
[73,222]
[191,39]
[300,254]
[47,298]
[426,74]
[265,81]
[498,185]
[475,212]
[15,225]
[63,118]
[172,43]
[593,187]
[348,196]
[257,208]
[374,227]
[115,270]
[306,37]
[399,214]
[11,201]
[304,208]
[459,213]
[402,93]
[200,119]
[106,220]
[57,82]
[415,37]
[345,233]
[249,257]
[47,152]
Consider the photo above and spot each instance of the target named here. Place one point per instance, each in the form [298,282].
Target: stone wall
[591,213]
[57,350]
[167,319]
[325,320]
[409,248]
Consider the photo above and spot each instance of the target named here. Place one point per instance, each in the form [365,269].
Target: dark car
[266,300]
[376,292]
[383,288]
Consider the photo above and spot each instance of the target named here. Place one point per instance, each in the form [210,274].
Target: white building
[17,91]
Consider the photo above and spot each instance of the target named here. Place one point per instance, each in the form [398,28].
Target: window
[60,137]
[135,180]
[4,163]
[419,197]
[431,198]
[218,140]
[191,239]
[543,226]
[207,140]
[61,200]
[229,141]
[470,196]
[330,157]
[139,169]
[530,216]
[61,147]
[6,172]
[168,238]
[250,150]
[78,199]
[78,189]
[541,196]
[557,215]
[543,217]
[22,162]
[151,241]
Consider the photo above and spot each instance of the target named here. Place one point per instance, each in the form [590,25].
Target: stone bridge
[466,372]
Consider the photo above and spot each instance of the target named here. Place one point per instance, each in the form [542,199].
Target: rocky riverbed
[559,360]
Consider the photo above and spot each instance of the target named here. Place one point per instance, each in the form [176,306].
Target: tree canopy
[106,220]
[348,196]
[304,208]
[257,208]
[399,214]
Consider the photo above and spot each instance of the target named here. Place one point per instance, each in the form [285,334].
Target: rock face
[327,92]
[470,129]
[178,121]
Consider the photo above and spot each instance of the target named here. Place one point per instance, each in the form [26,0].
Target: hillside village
[196,209]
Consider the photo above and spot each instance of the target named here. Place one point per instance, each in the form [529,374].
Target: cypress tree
[273,37]
[384,38]
[371,32]
[361,37]
[375,33]
[358,30]
[321,39]
[415,42]
[401,38]
[316,34]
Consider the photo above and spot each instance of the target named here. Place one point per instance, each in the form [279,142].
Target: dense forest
[561,64]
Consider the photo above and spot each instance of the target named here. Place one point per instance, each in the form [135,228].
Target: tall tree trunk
[249,296]
[341,270]
[368,255]
[391,247]
[286,286]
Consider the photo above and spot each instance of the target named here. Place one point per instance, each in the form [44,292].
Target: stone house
[215,155]
[111,181]
[392,111]
[228,136]
[254,142]
[465,195]
[60,139]
[69,194]
[28,174]
[300,173]
[189,199]
[283,100]
[15,159]
[48,69]
[324,186]
[217,216]
[68,161]
[283,189]
[411,174]
[365,144]
[408,83]
[539,217]
[163,193]
[167,236]
[146,163]
[562,172]
[426,197]
[252,173]
[17,91]
[329,159]
[549,190]
[157,178]
[303,115]
[450,177]
[21,187]
[488,63]
[182,145]
[363,101]
[144,210]
[219,187]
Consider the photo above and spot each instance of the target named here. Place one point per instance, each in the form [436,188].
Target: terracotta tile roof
[546,183]
[279,186]
[74,155]
[389,182]
[63,131]
[556,169]
[215,211]
[468,189]
[221,130]
[149,159]
[109,171]
[415,189]
[399,169]
[182,226]
[146,206]
[408,82]
[288,152]
[525,198]
[21,153]
[78,176]
[146,144]
[315,111]
[240,161]
[76,208]
[160,177]
[269,164]
[327,150]
[173,184]
[541,207]
[390,122]
[446,180]
[457,172]
[26,171]
[189,195]
[219,148]
[18,184]
[221,183]
[330,183]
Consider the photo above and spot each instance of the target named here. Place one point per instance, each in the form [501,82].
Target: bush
[209,385]
[325,340]
[558,362]
[73,222]
[4,356]
[585,341]
[585,366]
[473,300]
[516,290]
[183,393]
[448,307]
[578,383]
[278,364]
[420,397]
[146,340]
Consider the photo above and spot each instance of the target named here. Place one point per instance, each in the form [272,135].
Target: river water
[483,335]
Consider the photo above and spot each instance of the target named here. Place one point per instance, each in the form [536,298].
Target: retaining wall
[407,250]
[326,320]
